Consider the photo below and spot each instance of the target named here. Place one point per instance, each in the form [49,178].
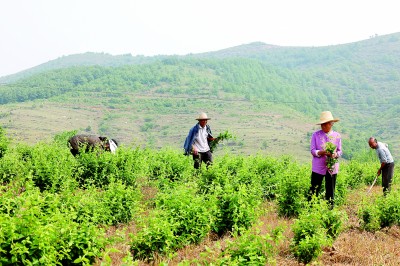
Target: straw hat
[203,116]
[326,117]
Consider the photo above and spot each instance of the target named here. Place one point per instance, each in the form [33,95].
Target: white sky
[33,32]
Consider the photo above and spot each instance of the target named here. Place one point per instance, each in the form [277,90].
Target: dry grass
[263,130]
[353,246]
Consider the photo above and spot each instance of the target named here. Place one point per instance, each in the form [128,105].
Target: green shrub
[357,174]
[385,211]
[122,201]
[155,237]
[4,142]
[251,248]
[317,226]
[309,247]
[33,231]
[236,208]
[169,164]
[182,217]
[191,212]
[292,190]
[370,218]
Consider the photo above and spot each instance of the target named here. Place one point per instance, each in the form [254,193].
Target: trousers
[330,185]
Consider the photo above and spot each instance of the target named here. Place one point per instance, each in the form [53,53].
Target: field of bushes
[56,209]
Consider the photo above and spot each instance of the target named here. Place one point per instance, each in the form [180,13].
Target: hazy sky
[36,31]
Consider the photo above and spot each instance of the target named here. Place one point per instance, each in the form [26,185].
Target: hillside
[269,97]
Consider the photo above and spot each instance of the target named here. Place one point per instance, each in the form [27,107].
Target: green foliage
[182,217]
[330,161]
[292,189]
[317,226]
[358,173]
[44,188]
[370,218]
[62,138]
[236,208]
[384,212]
[270,170]
[221,137]
[35,232]
[170,165]
[251,248]
[157,236]
[4,141]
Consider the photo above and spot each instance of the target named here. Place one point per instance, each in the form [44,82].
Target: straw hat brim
[330,120]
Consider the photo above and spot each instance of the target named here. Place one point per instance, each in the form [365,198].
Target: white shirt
[200,141]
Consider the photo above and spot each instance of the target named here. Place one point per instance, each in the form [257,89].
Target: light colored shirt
[318,140]
[383,153]
[200,141]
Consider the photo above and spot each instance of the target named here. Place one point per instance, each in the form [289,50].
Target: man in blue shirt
[387,163]
[197,142]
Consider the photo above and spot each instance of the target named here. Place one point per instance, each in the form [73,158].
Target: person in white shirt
[387,163]
[197,142]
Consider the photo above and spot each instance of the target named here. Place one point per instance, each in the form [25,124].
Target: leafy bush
[292,190]
[385,211]
[170,165]
[156,236]
[34,232]
[4,141]
[251,248]
[317,226]
[181,217]
[191,212]
[269,170]
[236,208]
[358,174]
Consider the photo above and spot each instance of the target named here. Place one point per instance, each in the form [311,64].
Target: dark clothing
[330,185]
[387,177]
[205,157]
[86,143]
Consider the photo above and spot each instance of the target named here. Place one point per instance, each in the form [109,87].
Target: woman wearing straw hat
[197,141]
[322,155]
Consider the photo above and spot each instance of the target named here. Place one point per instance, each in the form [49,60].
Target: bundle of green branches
[221,137]
[330,162]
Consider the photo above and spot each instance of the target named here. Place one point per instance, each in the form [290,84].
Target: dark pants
[330,185]
[205,157]
[387,177]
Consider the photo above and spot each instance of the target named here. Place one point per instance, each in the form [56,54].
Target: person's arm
[313,147]
[188,146]
[338,151]
[380,169]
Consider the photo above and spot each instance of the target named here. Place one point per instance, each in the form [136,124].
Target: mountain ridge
[249,50]
[260,94]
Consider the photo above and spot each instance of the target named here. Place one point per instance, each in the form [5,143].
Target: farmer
[198,140]
[387,163]
[90,143]
[325,155]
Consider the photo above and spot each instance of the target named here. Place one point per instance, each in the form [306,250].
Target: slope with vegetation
[258,90]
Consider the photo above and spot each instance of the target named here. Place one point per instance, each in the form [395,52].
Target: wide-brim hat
[326,117]
[203,116]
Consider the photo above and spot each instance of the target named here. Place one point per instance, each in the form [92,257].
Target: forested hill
[86,59]
[359,82]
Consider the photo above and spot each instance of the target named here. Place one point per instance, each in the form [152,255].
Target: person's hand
[335,155]
[194,151]
[323,153]
[379,172]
